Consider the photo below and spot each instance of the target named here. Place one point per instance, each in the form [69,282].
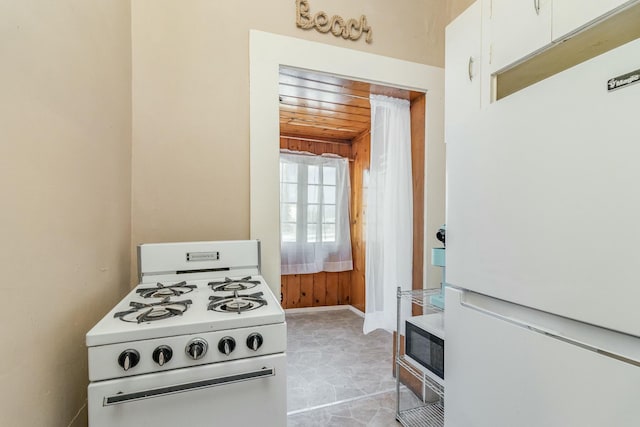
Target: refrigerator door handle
[477,306]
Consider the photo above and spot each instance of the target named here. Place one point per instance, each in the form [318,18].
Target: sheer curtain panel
[314,213]
[389,216]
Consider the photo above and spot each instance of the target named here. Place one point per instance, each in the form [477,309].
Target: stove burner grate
[236,303]
[234,284]
[163,291]
[142,312]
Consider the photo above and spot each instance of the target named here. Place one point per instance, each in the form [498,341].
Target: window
[308,197]
[288,201]
[314,213]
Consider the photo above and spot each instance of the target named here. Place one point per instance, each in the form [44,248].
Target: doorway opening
[267,54]
[320,113]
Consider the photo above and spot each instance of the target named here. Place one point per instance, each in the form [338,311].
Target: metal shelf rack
[427,414]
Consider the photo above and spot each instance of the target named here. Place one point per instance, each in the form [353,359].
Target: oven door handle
[180,388]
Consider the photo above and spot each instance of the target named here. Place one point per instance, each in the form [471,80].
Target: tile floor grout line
[340,402]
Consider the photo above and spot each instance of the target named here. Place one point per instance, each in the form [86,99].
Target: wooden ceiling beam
[316,133]
[326,79]
[294,109]
[320,126]
[320,96]
[331,121]
[323,141]
[324,106]
[320,86]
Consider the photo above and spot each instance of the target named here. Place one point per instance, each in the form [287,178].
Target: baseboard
[324,308]
[316,309]
[356,311]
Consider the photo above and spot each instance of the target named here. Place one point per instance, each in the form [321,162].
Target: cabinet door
[518,28]
[462,70]
[569,15]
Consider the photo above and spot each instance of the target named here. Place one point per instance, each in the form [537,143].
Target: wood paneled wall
[315,290]
[360,151]
[315,147]
[320,289]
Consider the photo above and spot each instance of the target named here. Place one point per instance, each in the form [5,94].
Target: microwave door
[425,348]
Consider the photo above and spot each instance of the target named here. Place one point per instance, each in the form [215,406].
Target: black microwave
[424,342]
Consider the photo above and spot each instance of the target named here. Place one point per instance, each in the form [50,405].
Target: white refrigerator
[542,311]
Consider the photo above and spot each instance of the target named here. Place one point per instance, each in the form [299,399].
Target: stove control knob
[162,354]
[128,359]
[196,348]
[254,341]
[226,345]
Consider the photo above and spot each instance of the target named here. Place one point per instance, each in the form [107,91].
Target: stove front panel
[247,392]
[104,360]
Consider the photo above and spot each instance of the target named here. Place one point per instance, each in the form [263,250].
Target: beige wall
[65,149]
[67,221]
[456,7]
[191,101]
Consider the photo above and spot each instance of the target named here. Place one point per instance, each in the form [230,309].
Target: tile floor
[337,376]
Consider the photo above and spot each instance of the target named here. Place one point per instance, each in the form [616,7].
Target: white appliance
[424,344]
[200,341]
[542,310]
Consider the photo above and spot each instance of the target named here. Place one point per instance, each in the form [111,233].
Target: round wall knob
[128,359]
[196,348]
[162,355]
[227,345]
[254,341]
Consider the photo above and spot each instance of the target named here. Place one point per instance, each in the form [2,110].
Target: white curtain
[389,216]
[314,213]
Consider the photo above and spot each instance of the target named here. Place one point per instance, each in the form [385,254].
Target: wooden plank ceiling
[328,108]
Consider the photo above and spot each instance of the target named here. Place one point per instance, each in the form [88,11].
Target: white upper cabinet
[462,70]
[569,15]
[518,28]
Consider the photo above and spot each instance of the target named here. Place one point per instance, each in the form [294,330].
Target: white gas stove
[201,334]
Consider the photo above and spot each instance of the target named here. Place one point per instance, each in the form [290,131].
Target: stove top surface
[178,307]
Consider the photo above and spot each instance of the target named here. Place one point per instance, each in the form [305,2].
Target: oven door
[242,392]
